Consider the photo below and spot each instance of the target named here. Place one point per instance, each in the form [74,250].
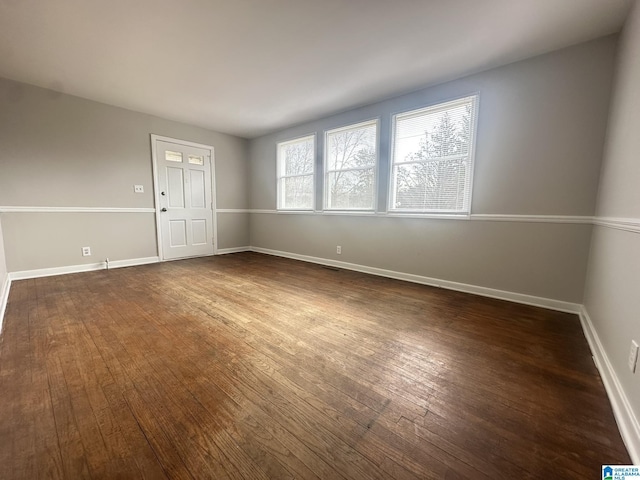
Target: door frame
[156,190]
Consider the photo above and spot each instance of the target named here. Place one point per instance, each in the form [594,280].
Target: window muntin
[350,167]
[432,158]
[296,160]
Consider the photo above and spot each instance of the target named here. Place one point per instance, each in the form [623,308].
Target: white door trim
[156,191]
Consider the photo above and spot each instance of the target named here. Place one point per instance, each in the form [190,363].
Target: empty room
[288,239]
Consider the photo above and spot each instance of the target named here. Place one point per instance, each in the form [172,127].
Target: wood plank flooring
[247,366]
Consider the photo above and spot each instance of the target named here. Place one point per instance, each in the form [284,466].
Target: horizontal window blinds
[432,158]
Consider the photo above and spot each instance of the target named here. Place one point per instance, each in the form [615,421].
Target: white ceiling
[248,67]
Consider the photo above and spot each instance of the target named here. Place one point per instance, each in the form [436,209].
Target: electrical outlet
[633,356]
[339,250]
[138,188]
[86,251]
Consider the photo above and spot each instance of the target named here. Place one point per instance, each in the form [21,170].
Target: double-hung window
[432,158]
[350,167]
[296,160]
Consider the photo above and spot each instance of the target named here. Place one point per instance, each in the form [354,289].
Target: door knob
[163,210]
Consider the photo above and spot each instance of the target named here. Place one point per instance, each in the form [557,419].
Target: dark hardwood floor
[250,367]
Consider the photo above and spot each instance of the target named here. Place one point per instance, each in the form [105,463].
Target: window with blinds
[350,167]
[432,158]
[295,164]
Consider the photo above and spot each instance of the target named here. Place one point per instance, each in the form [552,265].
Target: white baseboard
[132,262]
[4,297]
[434,282]
[625,417]
[48,272]
[225,251]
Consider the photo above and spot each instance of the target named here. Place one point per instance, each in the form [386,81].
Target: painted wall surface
[64,151]
[613,280]
[540,138]
[3,263]
[4,278]
[113,236]
[487,253]
[236,228]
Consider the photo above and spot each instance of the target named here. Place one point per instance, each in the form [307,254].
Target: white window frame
[466,211]
[279,177]
[326,193]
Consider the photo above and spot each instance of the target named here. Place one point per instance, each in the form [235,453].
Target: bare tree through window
[432,158]
[350,167]
[295,173]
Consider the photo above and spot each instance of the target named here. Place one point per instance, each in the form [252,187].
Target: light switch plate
[138,188]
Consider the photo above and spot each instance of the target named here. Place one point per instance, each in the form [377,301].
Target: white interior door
[184,200]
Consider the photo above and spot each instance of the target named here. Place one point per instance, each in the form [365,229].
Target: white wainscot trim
[265,211]
[20,209]
[234,210]
[434,282]
[487,217]
[495,217]
[625,417]
[619,223]
[626,224]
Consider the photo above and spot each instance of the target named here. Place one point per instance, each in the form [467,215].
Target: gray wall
[540,139]
[59,238]
[613,280]
[3,264]
[64,151]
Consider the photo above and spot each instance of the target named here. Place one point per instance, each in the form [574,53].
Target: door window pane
[171,156]
[196,159]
